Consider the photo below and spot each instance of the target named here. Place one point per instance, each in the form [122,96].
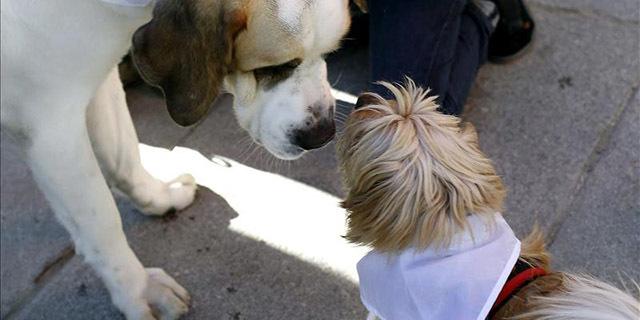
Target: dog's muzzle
[317,132]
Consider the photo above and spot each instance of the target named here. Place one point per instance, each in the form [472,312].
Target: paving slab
[602,234]
[540,118]
[31,237]
[621,11]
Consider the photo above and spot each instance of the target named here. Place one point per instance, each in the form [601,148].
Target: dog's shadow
[244,264]
[241,256]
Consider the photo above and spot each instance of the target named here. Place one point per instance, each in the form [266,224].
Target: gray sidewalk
[562,126]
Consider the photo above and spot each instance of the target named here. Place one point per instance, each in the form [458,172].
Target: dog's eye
[274,74]
[281,68]
[292,64]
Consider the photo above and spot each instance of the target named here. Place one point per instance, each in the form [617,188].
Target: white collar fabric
[130,3]
[459,282]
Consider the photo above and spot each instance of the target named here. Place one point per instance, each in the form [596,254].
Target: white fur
[289,12]
[585,298]
[269,114]
[63,100]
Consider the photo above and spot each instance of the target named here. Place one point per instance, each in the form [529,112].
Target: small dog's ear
[470,130]
[362,4]
[187,51]
[366,99]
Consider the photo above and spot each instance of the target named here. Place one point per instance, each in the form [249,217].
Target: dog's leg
[59,153]
[115,144]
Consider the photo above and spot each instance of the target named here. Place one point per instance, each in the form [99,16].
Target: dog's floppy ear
[186,50]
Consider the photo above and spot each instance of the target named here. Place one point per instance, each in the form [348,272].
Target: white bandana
[129,3]
[459,282]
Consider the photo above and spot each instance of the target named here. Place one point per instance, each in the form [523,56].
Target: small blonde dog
[428,201]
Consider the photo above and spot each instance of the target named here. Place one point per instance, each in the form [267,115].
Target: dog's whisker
[344,108]
[254,150]
[341,117]
[344,103]
[342,114]
[270,162]
[281,164]
[337,79]
[262,160]
[249,145]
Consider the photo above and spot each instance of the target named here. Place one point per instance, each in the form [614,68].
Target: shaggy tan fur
[533,250]
[413,174]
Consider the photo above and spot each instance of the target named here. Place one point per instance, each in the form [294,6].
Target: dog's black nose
[365,99]
[315,136]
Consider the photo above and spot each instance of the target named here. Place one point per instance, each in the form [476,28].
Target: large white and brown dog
[62,99]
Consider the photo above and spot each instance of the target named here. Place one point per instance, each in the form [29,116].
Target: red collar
[520,276]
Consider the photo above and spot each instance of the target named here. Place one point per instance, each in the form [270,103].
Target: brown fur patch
[533,250]
[186,51]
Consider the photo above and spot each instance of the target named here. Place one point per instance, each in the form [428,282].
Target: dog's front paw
[167,299]
[182,191]
[173,195]
[160,298]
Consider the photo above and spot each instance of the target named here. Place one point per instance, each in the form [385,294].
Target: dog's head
[413,174]
[268,54]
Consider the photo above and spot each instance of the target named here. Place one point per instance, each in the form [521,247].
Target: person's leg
[414,38]
[471,53]
[439,44]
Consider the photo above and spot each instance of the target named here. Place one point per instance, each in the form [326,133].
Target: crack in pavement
[602,144]
[48,272]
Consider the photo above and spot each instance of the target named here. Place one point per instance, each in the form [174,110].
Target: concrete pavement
[562,126]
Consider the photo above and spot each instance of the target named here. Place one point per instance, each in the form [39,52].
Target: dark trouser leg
[439,44]
[471,53]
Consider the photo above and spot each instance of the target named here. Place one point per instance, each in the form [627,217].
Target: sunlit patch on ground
[288,215]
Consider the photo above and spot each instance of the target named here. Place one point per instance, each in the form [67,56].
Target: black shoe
[514,33]
[490,10]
